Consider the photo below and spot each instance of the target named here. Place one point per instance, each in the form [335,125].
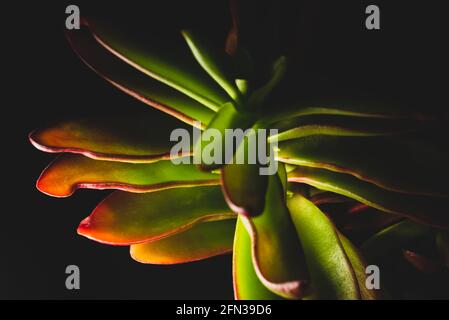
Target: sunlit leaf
[214,61]
[163,57]
[135,137]
[134,82]
[128,218]
[202,241]
[277,253]
[71,172]
[331,272]
[361,157]
[413,207]
[247,285]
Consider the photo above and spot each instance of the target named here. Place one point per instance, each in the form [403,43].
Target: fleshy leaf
[359,267]
[336,125]
[243,185]
[394,237]
[71,172]
[413,207]
[134,82]
[276,251]
[227,118]
[215,62]
[331,272]
[360,158]
[128,218]
[202,241]
[247,285]
[163,57]
[139,137]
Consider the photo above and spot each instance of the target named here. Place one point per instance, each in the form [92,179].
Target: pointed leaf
[331,272]
[128,218]
[202,241]
[71,172]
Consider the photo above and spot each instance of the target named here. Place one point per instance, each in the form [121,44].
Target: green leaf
[247,285]
[359,267]
[227,118]
[128,218]
[215,62]
[276,251]
[394,237]
[428,210]
[134,82]
[164,57]
[243,184]
[361,157]
[71,172]
[200,242]
[136,137]
[330,268]
[337,125]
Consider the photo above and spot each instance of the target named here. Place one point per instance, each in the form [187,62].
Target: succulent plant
[356,182]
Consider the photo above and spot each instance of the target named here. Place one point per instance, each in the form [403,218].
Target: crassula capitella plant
[356,182]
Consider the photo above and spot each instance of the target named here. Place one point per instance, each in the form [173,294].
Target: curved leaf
[359,267]
[140,137]
[71,172]
[276,251]
[227,118]
[394,237]
[216,63]
[360,157]
[200,242]
[337,125]
[331,272]
[135,83]
[428,210]
[165,58]
[128,218]
[247,285]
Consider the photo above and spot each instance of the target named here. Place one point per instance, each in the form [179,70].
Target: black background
[43,81]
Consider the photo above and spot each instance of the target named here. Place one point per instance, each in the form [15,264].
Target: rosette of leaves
[356,182]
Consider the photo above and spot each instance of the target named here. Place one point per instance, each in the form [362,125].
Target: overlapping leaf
[134,82]
[247,285]
[330,268]
[202,241]
[389,163]
[163,57]
[413,207]
[135,137]
[276,251]
[128,218]
[71,172]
